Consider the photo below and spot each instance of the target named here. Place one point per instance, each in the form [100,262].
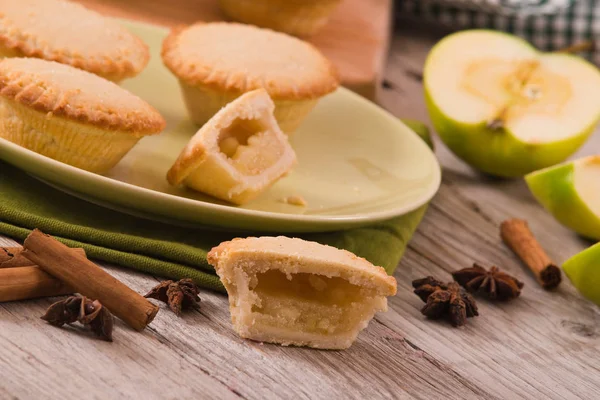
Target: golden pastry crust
[64,91]
[338,262]
[80,145]
[239,58]
[66,32]
[295,292]
[261,153]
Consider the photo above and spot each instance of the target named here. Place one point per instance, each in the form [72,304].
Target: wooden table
[543,345]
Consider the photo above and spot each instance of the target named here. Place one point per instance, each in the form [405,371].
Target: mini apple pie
[68,33]
[71,115]
[238,153]
[294,292]
[217,62]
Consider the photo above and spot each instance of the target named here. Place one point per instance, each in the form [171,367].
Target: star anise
[84,310]
[495,284]
[178,295]
[426,286]
[445,300]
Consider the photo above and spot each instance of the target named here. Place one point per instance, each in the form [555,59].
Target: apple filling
[237,134]
[250,146]
[514,89]
[311,303]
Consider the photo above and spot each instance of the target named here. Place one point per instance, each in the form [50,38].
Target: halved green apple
[571,192]
[583,270]
[506,108]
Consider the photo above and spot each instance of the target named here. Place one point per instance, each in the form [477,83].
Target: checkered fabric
[548,24]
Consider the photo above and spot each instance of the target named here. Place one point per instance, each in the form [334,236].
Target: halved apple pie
[295,292]
[238,153]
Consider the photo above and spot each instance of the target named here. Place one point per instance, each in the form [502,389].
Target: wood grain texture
[355,39]
[542,345]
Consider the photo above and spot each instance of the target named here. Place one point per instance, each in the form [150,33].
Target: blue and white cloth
[547,24]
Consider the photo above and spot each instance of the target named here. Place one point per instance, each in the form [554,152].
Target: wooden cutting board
[355,40]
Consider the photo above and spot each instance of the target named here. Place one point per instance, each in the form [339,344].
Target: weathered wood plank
[199,351]
[542,345]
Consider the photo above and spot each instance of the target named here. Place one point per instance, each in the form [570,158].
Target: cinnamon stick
[88,279]
[21,283]
[516,234]
[11,257]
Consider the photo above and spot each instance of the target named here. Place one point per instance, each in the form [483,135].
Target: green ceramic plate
[357,164]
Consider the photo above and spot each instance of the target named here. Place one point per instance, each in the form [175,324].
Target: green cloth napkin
[160,249]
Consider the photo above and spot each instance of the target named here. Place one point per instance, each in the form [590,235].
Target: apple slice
[571,193]
[506,108]
[583,270]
